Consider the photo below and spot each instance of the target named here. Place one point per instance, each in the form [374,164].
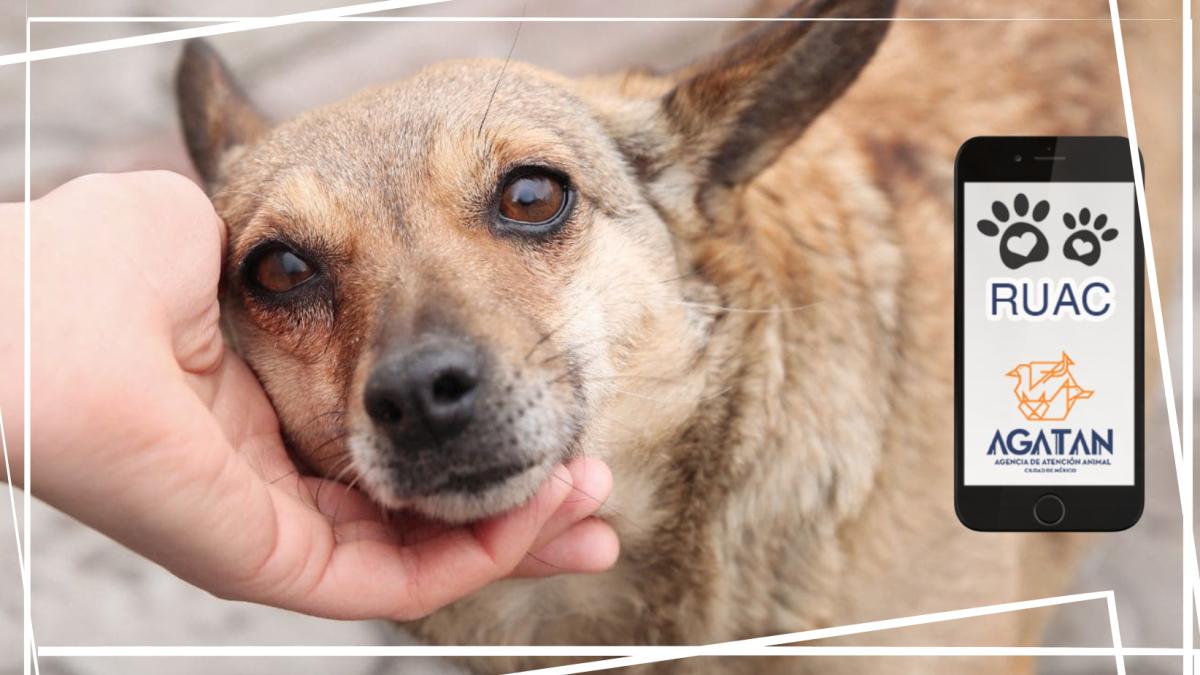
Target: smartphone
[1049,345]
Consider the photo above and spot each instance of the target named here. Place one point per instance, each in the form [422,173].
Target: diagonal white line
[1151,267]
[208,31]
[559,19]
[1116,632]
[359,651]
[821,634]
[644,654]
[951,651]
[12,502]
[12,498]
[1164,359]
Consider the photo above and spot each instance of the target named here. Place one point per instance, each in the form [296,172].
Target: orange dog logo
[1046,390]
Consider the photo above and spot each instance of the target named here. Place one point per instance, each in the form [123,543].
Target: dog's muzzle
[425,395]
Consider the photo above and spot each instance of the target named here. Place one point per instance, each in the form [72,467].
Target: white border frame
[637,655]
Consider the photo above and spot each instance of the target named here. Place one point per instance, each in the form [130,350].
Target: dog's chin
[456,504]
[459,506]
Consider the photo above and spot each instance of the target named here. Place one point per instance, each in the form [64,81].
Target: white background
[1101,349]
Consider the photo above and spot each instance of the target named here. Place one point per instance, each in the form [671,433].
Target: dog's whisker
[554,357]
[337,509]
[313,456]
[594,294]
[546,337]
[340,468]
[635,376]
[503,69]
[345,465]
[229,192]
[611,512]
[299,487]
[338,435]
[569,349]
[319,418]
[743,310]
[293,472]
[583,306]
[695,271]
[545,562]
[659,399]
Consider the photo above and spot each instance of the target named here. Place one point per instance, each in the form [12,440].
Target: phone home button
[1049,510]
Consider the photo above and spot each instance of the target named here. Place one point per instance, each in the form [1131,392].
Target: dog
[732,282]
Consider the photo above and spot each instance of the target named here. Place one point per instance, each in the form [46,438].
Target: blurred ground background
[113,111]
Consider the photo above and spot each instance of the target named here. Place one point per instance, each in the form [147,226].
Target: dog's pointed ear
[736,111]
[216,115]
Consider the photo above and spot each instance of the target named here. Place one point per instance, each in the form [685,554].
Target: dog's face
[442,283]
[442,290]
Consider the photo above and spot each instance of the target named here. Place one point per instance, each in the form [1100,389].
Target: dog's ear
[736,111]
[215,114]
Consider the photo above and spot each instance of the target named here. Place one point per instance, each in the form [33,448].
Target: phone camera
[1017,158]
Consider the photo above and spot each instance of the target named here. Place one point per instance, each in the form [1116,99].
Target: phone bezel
[1004,508]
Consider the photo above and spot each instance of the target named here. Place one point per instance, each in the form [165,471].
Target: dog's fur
[748,317]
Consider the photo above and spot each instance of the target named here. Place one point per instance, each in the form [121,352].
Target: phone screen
[1049,361]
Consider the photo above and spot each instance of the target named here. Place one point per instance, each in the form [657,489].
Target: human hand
[147,428]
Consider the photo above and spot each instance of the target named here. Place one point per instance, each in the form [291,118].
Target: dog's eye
[280,270]
[533,200]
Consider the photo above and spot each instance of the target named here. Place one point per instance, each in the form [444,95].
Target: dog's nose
[424,394]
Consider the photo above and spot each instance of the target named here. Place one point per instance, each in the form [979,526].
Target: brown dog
[731,282]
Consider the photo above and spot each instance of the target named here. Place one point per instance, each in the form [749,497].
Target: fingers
[177,240]
[237,402]
[572,541]
[590,545]
[369,578]
[370,574]
[591,482]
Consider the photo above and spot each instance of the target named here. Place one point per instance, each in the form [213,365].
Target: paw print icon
[1084,243]
[1021,241]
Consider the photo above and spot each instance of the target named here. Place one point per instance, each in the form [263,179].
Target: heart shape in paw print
[1022,244]
[1083,248]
